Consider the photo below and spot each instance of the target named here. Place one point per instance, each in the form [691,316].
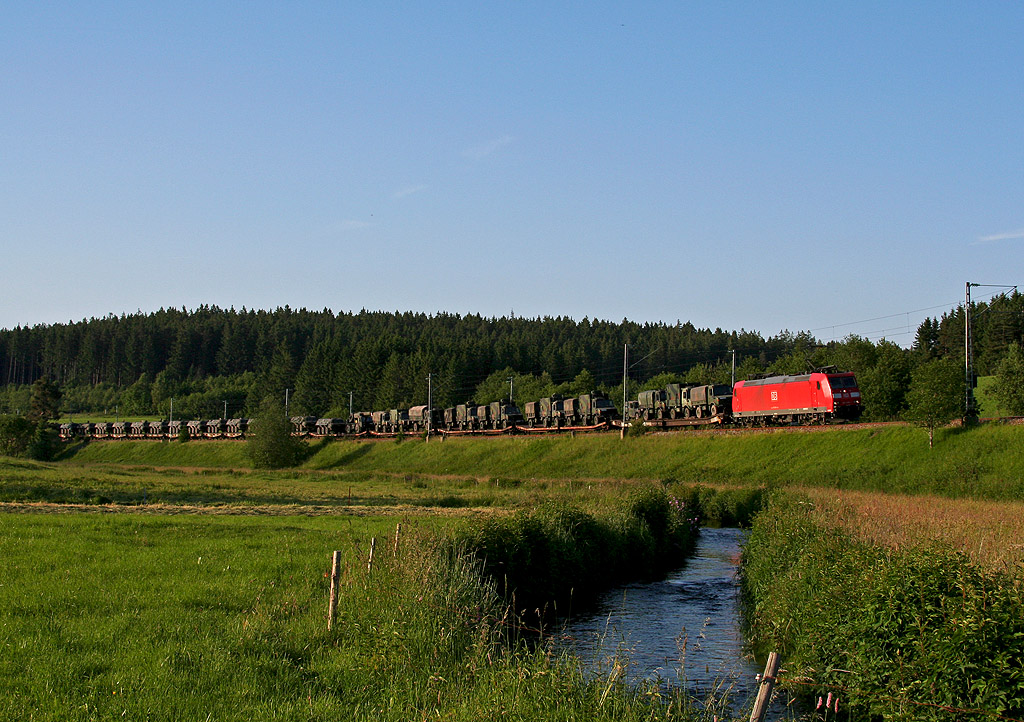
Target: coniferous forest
[209,359]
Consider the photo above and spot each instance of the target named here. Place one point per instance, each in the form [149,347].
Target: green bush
[16,433]
[271,445]
[898,630]
[556,552]
[722,507]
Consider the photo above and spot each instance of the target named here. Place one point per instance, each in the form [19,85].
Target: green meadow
[168,580]
[166,611]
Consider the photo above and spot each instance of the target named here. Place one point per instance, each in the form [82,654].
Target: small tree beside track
[271,445]
[936,395]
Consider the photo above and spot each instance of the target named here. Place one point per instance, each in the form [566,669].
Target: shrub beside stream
[549,555]
[905,634]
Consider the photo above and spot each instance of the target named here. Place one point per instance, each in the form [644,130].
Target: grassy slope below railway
[986,463]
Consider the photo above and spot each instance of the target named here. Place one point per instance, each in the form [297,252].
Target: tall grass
[988,532]
[908,634]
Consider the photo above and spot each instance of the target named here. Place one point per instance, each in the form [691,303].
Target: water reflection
[682,630]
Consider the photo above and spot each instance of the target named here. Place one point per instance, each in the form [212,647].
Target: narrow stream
[682,630]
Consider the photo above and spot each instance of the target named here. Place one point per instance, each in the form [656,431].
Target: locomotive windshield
[842,382]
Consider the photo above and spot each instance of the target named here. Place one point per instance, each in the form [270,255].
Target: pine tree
[45,400]
[884,385]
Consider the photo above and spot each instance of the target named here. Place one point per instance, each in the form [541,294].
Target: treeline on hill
[209,357]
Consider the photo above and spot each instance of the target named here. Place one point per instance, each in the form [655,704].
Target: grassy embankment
[984,394]
[986,462]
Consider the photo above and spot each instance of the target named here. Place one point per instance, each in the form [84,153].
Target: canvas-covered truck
[546,412]
[708,401]
[504,414]
[422,418]
[596,409]
[653,404]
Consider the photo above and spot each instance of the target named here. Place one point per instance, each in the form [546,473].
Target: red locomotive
[808,398]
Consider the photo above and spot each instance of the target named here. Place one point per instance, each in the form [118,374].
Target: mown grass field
[167,617]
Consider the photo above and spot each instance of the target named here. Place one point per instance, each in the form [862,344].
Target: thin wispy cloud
[1009,236]
[352,225]
[479,152]
[408,191]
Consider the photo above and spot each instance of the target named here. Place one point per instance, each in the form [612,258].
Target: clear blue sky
[765,166]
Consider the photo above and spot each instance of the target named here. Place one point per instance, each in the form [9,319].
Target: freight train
[819,397]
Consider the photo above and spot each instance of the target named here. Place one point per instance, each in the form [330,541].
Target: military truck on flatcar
[653,404]
[422,418]
[596,409]
[503,414]
[708,401]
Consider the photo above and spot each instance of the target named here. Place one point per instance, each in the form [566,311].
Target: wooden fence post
[398,530]
[369,563]
[332,606]
[764,690]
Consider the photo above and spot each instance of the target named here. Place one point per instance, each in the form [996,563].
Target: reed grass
[990,533]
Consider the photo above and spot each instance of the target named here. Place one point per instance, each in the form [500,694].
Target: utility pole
[733,352]
[286,392]
[350,404]
[430,404]
[510,389]
[172,410]
[625,386]
[225,409]
[968,359]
